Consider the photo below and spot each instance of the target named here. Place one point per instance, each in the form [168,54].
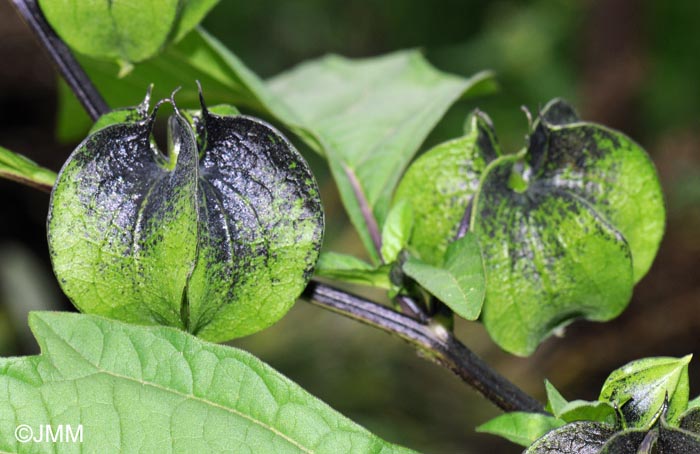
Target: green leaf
[126,31]
[583,410]
[520,427]
[347,268]
[16,167]
[218,238]
[198,56]
[459,282]
[441,183]
[396,231]
[574,438]
[158,389]
[369,117]
[581,199]
[578,410]
[639,389]
[555,401]
[191,14]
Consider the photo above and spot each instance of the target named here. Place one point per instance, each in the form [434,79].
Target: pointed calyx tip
[205,111]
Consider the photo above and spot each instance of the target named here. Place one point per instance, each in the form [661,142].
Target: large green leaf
[219,238]
[640,388]
[124,31]
[441,183]
[369,117]
[16,167]
[158,389]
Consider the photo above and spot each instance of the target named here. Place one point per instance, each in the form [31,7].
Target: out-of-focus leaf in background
[24,286]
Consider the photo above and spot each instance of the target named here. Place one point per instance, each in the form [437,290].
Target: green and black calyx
[565,227]
[218,238]
[643,408]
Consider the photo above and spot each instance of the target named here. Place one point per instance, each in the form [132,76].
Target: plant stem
[431,339]
[367,214]
[63,58]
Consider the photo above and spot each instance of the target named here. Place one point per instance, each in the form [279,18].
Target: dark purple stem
[433,340]
[63,58]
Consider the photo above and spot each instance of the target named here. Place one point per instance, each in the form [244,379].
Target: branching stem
[431,339]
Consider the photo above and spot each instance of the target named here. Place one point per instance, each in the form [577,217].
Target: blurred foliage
[530,47]
[671,95]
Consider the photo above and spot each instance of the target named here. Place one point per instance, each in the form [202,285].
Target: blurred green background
[631,64]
